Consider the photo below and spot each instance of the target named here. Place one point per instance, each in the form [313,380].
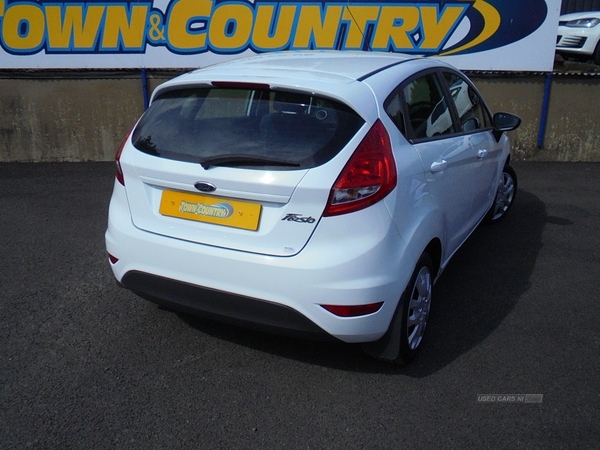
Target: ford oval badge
[203,186]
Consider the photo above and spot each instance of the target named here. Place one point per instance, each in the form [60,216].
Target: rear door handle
[481,153]
[439,166]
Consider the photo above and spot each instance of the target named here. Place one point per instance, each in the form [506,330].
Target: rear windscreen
[245,128]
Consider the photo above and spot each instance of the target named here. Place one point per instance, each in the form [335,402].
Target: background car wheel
[416,305]
[596,55]
[505,196]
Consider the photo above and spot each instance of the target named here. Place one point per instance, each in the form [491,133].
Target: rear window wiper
[245,160]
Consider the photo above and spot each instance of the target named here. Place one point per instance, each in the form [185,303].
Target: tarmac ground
[512,357]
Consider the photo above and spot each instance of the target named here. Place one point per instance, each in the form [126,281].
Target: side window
[471,111]
[428,113]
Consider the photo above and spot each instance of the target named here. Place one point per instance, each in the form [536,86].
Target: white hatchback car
[579,35]
[308,193]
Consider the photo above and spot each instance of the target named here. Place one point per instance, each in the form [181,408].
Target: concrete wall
[573,122]
[573,136]
[66,119]
[83,116]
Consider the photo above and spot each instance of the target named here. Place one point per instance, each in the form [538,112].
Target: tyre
[505,196]
[596,55]
[416,305]
[403,339]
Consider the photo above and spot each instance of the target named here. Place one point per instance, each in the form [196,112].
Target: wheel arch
[596,54]
[388,347]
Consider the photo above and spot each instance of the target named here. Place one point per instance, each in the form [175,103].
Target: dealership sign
[472,34]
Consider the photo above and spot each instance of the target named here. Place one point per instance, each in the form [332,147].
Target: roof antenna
[357,26]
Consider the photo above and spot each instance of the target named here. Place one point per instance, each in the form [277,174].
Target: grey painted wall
[83,116]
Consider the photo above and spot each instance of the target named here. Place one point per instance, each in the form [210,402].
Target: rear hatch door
[245,169]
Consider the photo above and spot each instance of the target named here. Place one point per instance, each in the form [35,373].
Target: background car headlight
[583,23]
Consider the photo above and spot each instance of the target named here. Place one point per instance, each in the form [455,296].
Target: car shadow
[480,286]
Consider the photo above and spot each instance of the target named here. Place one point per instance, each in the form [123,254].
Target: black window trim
[438,71]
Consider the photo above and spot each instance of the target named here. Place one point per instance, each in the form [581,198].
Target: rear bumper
[283,294]
[223,306]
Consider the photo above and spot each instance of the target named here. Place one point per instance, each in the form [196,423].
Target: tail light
[353,310]
[368,176]
[119,173]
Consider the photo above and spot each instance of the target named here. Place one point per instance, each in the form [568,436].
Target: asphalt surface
[87,365]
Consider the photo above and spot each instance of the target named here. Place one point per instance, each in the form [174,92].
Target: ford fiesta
[311,193]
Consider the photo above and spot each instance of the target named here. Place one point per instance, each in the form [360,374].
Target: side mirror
[505,122]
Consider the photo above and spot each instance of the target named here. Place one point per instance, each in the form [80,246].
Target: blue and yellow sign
[187,33]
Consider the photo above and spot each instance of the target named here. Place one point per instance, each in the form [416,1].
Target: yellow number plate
[204,208]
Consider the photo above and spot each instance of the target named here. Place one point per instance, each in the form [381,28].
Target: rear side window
[252,128]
